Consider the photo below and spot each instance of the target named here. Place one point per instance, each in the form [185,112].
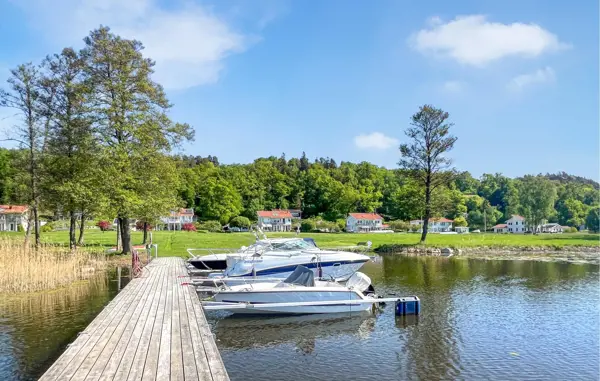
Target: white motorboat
[299,293]
[276,259]
[218,261]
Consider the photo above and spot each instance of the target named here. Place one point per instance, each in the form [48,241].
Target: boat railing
[208,251]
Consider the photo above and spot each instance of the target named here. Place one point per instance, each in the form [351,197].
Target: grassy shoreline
[176,243]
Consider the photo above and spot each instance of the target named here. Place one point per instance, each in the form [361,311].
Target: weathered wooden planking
[154,329]
[98,323]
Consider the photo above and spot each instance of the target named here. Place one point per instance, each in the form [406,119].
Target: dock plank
[97,324]
[154,329]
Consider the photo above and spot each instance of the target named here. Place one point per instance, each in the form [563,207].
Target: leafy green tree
[240,222]
[460,221]
[130,113]
[536,195]
[23,94]
[424,155]
[572,212]
[70,160]
[592,221]
[308,225]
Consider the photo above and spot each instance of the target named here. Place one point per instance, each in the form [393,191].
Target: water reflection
[481,319]
[36,328]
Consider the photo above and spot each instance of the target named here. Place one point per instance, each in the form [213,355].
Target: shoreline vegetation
[24,269]
[175,243]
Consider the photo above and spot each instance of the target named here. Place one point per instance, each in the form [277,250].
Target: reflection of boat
[299,293]
[235,332]
[277,258]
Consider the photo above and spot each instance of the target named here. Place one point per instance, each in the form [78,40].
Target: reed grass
[25,269]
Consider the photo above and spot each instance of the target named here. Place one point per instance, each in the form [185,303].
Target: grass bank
[23,269]
[175,243]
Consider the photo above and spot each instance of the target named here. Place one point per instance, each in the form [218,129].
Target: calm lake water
[508,320]
[36,328]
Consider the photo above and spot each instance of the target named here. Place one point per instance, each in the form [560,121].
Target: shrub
[399,226]
[139,226]
[308,225]
[48,227]
[212,226]
[341,223]
[188,227]
[415,228]
[571,230]
[103,225]
[239,222]
[460,221]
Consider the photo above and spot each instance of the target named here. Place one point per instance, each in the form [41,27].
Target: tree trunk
[81,230]
[145,232]
[72,227]
[28,229]
[36,224]
[119,242]
[427,209]
[125,235]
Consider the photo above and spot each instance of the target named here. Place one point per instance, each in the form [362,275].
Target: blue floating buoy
[410,305]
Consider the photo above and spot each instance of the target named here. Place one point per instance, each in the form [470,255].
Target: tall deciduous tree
[424,154]
[131,120]
[536,196]
[23,94]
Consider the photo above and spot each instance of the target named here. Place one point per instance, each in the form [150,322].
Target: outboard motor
[360,282]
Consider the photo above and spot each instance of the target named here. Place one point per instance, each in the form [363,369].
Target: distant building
[176,219]
[364,222]
[13,216]
[500,228]
[516,224]
[435,225]
[551,228]
[461,229]
[275,220]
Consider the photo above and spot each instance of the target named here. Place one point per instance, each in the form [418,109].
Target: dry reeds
[25,269]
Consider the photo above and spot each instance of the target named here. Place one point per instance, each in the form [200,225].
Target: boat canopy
[302,276]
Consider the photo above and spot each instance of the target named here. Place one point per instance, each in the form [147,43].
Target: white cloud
[537,77]
[473,40]
[189,43]
[453,86]
[375,140]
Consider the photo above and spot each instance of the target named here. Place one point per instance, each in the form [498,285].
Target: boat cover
[302,276]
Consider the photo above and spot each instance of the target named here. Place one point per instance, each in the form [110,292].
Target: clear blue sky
[341,79]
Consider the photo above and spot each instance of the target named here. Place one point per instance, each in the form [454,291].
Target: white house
[551,228]
[275,220]
[435,225]
[500,228]
[364,222]
[516,224]
[13,216]
[176,219]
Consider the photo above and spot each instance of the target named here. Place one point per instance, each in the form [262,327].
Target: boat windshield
[292,245]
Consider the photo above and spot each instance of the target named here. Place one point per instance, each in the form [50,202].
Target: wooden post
[119,278]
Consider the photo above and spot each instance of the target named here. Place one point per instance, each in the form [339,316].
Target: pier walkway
[154,329]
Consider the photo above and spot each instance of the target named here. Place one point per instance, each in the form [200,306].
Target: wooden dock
[154,329]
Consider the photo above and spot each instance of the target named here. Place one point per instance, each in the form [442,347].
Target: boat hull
[258,297]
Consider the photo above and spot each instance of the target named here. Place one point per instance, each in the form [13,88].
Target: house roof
[274,213]
[516,216]
[10,209]
[441,219]
[500,226]
[366,216]
[182,212]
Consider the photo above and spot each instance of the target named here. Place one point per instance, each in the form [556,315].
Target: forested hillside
[325,188]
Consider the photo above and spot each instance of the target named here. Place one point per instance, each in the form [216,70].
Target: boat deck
[154,329]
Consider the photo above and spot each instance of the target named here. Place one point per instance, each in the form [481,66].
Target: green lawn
[175,243]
